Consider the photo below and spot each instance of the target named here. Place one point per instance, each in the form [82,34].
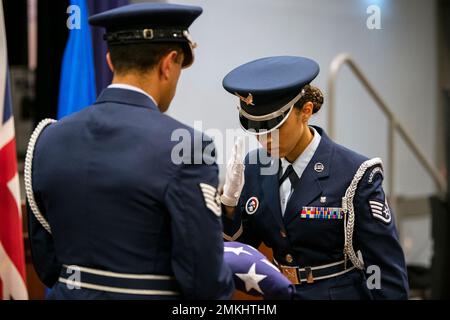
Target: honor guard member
[112,215]
[320,206]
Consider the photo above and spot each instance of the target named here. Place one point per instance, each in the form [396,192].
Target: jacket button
[289,258]
[283,233]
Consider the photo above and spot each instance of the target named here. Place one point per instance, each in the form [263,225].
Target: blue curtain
[77,88]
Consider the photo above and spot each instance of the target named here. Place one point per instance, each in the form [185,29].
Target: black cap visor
[263,127]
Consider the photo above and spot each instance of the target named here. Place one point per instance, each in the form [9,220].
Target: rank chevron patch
[380,211]
[212,199]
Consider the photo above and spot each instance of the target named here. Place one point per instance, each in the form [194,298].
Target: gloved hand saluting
[234,179]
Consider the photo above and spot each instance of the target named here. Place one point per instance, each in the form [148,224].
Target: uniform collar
[126,96]
[132,88]
[309,187]
[303,160]
[323,155]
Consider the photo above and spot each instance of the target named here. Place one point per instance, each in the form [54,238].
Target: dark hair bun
[314,95]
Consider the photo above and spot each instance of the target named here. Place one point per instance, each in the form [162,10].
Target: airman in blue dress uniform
[111,215]
[320,206]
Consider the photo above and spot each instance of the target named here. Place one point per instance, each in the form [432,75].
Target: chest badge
[319,167]
[252,205]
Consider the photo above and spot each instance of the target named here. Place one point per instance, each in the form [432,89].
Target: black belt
[76,277]
[298,275]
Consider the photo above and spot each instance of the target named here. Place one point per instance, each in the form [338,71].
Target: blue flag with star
[254,274]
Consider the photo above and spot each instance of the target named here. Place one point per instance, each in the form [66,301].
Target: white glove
[234,179]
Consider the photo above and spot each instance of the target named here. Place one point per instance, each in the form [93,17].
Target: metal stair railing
[394,125]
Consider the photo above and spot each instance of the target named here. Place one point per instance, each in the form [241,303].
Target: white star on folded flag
[269,283]
[251,279]
[236,251]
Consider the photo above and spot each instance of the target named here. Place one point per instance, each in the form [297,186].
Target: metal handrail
[394,124]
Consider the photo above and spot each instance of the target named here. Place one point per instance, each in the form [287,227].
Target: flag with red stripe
[12,261]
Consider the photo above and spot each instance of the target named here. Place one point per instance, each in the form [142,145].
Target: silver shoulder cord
[28,173]
[349,213]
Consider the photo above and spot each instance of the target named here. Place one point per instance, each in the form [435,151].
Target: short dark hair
[141,57]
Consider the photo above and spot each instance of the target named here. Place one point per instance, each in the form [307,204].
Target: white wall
[400,60]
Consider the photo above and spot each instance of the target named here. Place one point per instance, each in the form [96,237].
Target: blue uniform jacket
[115,201]
[303,242]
